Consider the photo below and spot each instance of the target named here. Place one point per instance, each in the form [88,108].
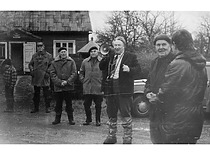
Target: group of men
[175,87]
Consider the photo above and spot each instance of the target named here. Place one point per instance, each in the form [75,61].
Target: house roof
[46,20]
[86,48]
[19,34]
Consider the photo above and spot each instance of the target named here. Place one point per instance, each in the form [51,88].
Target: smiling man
[121,67]
[155,79]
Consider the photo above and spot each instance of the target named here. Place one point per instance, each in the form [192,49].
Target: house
[21,30]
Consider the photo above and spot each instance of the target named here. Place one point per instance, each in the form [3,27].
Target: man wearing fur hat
[63,73]
[10,78]
[91,77]
[122,67]
[182,92]
[155,78]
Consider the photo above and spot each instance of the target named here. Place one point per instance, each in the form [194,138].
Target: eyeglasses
[93,51]
[39,45]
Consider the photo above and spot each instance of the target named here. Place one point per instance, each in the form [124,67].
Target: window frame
[5,45]
[64,41]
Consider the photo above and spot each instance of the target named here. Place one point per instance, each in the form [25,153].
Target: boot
[10,106]
[35,110]
[127,126]
[71,119]
[98,121]
[111,138]
[47,110]
[98,117]
[57,119]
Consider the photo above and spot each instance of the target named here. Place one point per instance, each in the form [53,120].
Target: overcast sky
[188,19]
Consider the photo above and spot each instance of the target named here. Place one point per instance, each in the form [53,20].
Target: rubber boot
[127,126]
[57,119]
[71,119]
[111,138]
[98,116]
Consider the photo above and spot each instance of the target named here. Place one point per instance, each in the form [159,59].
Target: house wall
[48,37]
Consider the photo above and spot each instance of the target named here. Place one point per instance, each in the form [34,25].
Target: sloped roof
[19,34]
[86,48]
[47,20]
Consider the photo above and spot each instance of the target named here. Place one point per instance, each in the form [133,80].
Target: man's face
[94,53]
[63,54]
[118,46]
[40,47]
[163,48]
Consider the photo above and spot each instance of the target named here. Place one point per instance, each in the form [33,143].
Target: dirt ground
[22,127]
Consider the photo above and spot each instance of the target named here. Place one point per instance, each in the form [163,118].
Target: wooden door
[17,56]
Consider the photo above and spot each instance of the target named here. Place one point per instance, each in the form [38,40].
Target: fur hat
[62,48]
[162,37]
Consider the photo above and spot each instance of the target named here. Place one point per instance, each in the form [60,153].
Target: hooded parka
[181,96]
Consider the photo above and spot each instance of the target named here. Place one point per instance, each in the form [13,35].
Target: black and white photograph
[89,75]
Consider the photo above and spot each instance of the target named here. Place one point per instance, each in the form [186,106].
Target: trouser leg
[69,108]
[47,97]
[125,103]
[58,107]
[112,109]
[36,98]
[59,102]
[98,100]
[9,95]
[87,105]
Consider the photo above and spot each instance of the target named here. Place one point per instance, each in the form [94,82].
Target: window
[69,44]
[3,50]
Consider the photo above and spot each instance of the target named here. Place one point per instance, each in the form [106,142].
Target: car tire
[140,107]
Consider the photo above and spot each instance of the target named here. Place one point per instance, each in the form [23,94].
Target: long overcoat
[91,76]
[38,66]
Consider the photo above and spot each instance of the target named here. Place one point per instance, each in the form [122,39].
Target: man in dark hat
[182,92]
[10,78]
[63,73]
[155,78]
[91,77]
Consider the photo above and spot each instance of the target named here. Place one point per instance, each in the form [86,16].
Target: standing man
[91,77]
[10,78]
[182,92]
[121,69]
[155,79]
[63,73]
[38,66]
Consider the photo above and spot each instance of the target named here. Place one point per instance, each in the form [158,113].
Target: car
[141,106]
[206,101]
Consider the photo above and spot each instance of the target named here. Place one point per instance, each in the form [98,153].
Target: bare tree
[203,37]
[138,28]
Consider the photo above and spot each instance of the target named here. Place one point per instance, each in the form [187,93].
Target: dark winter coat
[63,69]
[91,76]
[38,66]
[154,81]
[126,79]
[181,95]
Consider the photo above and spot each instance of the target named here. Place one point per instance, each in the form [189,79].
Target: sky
[187,12]
[190,20]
